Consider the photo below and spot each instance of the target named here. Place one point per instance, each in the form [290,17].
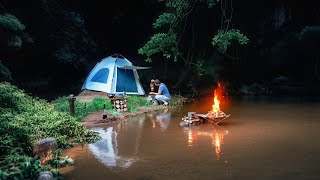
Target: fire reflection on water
[190,138]
[217,138]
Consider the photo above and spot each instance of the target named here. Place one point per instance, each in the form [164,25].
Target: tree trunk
[189,60]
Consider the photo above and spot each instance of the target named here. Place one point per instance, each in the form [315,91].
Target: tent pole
[125,77]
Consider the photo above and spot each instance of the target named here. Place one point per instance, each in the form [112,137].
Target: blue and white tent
[114,74]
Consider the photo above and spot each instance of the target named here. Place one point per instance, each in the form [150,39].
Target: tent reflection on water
[107,149]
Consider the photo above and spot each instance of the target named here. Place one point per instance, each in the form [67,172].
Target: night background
[48,47]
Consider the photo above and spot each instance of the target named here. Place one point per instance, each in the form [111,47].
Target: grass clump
[134,102]
[82,109]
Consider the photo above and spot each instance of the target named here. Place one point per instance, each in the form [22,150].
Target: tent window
[101,76]
[126,81]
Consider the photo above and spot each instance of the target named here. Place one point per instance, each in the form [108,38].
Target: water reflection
[108,151]
[252,144]
[163,120]
[216,135]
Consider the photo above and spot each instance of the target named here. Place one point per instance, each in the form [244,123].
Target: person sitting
[163,94]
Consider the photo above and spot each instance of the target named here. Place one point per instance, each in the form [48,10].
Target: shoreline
[96,119]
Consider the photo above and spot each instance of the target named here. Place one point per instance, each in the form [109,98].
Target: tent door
[126,81]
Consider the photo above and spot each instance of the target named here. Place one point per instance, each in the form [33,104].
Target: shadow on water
[263,139]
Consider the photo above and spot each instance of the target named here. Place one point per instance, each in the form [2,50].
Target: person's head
[157,82]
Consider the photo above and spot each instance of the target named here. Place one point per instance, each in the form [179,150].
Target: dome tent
[114,74]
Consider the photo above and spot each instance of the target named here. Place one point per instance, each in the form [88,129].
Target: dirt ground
[87,95]
[97,120]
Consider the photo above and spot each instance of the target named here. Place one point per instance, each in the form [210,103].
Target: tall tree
[180,34]
[12,35]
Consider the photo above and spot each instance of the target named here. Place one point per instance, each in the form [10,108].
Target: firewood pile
[119,104]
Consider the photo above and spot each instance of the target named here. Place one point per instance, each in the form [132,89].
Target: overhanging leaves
[164,43]
[223,39]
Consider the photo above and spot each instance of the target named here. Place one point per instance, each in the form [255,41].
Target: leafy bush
[25,120]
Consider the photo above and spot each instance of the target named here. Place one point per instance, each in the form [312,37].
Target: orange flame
[217,97]
[216,102]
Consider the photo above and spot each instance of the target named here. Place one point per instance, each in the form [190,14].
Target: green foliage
[223,39]
[73,43]
[165,19]
[11,31]
[134,102]
[5,74]
[175,15]
[60,161]
[28,169]
[25,120]
[200,68]
[165,43]
[177,100]
[211,3]
[179,7]
[11,23]
[309,30]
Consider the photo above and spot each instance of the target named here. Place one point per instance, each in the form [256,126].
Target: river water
[264,138]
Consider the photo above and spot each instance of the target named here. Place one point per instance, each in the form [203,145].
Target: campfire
[216,114]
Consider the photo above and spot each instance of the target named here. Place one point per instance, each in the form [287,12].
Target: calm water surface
[262,139]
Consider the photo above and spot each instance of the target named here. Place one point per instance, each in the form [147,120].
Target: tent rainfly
[114,74]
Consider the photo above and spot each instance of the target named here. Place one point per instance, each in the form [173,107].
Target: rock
[46,175]
[44,145]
